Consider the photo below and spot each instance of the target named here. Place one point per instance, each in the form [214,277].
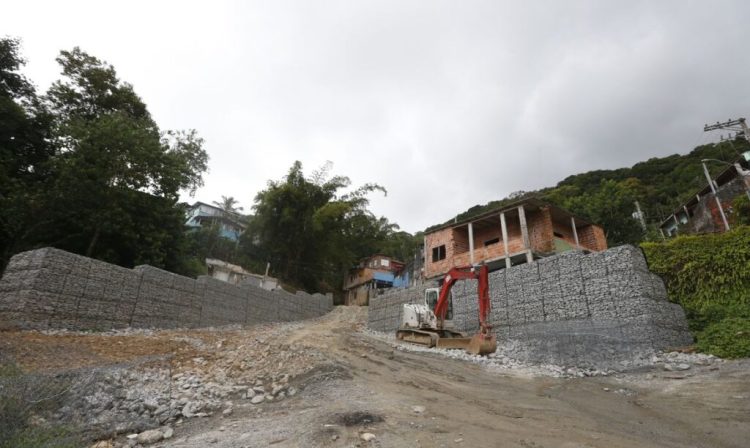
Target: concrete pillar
[525,234]
[504,229]
[575,232]
[471,244]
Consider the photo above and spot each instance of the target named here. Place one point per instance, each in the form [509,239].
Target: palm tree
[228,204]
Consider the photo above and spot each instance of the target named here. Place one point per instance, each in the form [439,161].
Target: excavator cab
[431,296]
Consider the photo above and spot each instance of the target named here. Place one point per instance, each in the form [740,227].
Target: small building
[231,273]
[700,214]
[230,224]
[370,275]
[513,234]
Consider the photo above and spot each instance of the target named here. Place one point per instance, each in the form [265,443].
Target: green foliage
[728,338]
[207,242]
[606,197]
[741,206]
[58,436]
[228,204]
[310,231]
[25,150]
[609,204]
[709,275]
[24,396]
[86,169]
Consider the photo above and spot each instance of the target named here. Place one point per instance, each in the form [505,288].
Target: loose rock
[150,436]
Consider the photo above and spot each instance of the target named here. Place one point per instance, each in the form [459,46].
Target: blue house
[230,224]
[371,274]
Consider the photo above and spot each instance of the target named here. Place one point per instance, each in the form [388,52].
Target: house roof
[722,178]
[532,202]
[230,217]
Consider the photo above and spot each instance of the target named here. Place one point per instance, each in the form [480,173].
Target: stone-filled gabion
[51,288]
[573,309]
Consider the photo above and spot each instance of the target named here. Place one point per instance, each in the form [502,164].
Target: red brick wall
[432,240]
[592,237]
[540,230]
[716,216]
[541,238]
[566,231]
[460,237]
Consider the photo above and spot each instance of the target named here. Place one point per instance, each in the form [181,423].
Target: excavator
[425,323]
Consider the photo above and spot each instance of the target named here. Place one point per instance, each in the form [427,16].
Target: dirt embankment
[348,384]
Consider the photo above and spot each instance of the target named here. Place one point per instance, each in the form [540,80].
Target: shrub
[26,396]
[728,338]
[709,275]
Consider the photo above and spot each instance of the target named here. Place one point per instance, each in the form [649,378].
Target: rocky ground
[328,382]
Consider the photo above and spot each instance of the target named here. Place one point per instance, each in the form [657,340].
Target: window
[385,263]
[491,242]
[558,234]
[438,253]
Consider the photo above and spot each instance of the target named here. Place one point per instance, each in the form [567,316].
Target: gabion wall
[51,288]
[573,308]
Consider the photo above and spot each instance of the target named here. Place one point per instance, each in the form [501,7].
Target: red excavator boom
[484,337]
[424,325]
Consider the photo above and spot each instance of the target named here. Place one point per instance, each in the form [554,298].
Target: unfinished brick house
[513,234]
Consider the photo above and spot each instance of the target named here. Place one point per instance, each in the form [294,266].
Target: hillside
[607,197]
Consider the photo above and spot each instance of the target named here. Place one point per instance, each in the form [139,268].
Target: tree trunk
[94,239]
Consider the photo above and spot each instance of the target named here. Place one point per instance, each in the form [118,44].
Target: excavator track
[420,337]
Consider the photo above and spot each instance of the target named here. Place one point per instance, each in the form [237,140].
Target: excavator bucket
[481,344]
[453,343]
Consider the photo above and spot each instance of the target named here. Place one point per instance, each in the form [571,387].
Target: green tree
[228,204]
[306,227]
[25,151]
[113,160]
[663,184]
[610,204]
[97,175]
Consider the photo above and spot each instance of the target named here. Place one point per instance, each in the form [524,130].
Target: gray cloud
[446,104]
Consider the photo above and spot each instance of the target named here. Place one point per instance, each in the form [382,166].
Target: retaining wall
[596,309]
[51,288]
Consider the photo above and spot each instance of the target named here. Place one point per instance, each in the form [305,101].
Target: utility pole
[716,197]
[739,125]
[640,215]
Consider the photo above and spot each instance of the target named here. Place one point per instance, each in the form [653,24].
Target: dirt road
[410,399]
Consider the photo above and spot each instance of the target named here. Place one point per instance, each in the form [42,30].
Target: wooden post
[471,243]
[504,228]
[525,233]
[575,232]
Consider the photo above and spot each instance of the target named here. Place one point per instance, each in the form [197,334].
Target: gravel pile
[146,400]
[504,360]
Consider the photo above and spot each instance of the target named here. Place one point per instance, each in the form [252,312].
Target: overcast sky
[447,104]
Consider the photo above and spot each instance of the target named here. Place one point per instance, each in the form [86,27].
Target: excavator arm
[464,273]
[433,333]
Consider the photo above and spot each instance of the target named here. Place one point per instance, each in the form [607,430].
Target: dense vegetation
[313,228]
[709,275]
[85,168]
[607,197]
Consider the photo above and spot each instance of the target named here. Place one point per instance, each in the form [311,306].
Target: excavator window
[432,299]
